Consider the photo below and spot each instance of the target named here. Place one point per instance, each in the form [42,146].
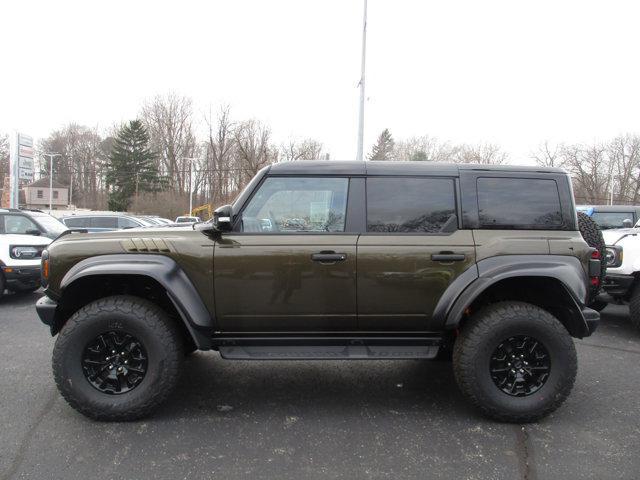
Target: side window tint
[411,205]
[519,203]
[297,204]
[18,224]
[104,222]
[124,222]
[76,222]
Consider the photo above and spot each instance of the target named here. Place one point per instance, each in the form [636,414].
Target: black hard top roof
[341,167]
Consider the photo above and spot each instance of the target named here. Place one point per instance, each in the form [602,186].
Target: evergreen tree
[131,167]
[383,148]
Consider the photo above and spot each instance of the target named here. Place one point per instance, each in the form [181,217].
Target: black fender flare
[464,290]
[180,290]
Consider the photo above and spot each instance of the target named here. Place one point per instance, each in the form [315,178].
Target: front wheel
[117,358]
[515,362]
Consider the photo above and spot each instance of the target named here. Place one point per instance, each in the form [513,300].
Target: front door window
[297,204]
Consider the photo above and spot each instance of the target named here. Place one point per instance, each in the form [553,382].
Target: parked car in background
[187,219]
[30,222]
[156,220]
[622,282]
[105,222]
[20,254]
[612,216]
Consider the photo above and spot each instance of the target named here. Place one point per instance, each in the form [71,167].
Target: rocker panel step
[330,348]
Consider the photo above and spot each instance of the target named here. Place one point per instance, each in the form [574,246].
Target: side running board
[327,348]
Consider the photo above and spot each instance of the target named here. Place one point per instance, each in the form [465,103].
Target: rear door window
[104,222]
[80,222]
[411,205]
[513,203]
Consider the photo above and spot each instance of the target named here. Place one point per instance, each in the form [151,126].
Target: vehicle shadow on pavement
[20,299]
[212,385]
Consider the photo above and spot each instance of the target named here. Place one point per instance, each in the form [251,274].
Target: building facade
[36,194]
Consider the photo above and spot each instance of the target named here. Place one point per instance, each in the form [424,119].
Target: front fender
[162,269]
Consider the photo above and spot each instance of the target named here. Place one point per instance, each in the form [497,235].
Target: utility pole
[360,155]
[51,156]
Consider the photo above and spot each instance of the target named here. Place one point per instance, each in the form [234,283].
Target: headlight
[614,256]
[25,252]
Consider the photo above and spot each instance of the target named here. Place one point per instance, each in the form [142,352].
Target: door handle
[448,257]
[328,257]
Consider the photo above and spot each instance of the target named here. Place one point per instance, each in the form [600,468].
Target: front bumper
[46,308]
[21,278]
[618,285]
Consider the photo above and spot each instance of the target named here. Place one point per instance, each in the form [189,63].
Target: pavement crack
[607,347]
[24,444]
[524,453]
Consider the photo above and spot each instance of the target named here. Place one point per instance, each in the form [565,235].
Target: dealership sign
[25,157]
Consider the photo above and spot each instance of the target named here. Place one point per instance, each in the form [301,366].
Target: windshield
[51,224]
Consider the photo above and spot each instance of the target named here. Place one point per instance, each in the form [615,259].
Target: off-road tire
[634,306]
[162,341]
[592,234]
[480,337]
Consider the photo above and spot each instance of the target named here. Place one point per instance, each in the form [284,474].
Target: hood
[15,239]
[614,235]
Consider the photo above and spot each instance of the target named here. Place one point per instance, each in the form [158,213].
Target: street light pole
[191,159]
[51,156]
[360,154]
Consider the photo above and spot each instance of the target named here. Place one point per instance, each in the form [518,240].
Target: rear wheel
[2,284]
[117,358]
[515,362]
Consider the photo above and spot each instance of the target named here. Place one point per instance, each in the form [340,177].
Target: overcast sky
[507,72]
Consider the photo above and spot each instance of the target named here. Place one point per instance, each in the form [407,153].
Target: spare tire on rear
[593,236]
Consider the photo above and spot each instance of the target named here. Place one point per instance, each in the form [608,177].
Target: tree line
[146,164]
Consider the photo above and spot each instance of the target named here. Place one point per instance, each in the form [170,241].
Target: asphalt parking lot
[307,420]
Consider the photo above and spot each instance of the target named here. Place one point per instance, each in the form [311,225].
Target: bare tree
[81,165]
[169,120]
[589,167]
[485,154]
[549,156]
[425,148]
[624,158]
[219,156]
[307,149]
[4,157]
[253,149]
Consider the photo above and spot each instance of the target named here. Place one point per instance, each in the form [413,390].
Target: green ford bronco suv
[335,260]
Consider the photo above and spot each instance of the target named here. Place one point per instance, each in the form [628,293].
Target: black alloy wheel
[520,365]
[114,362]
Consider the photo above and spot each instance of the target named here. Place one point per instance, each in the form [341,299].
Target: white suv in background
[23,236]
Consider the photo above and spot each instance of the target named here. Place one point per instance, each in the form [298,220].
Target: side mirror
[627,223]
[223,218]
[33,231]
